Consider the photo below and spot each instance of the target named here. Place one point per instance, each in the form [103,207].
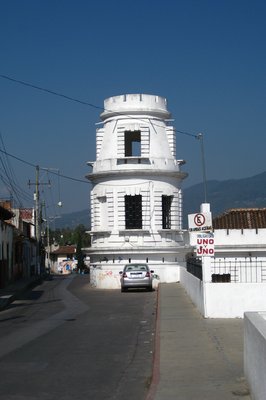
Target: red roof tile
[241,218]
[65,250]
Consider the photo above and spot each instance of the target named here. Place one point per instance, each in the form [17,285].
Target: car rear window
[136,267]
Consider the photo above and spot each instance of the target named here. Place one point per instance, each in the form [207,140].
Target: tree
[79,253]
[69,236]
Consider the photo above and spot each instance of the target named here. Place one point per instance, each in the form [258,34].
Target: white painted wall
[103,277]
[229,300]
[223,300]
[236,239]
[255,353]
[194,288]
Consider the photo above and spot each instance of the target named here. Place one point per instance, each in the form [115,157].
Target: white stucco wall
[223,300]
[229,300]
[194,288]
[255,353]
[240,237]
[236,239]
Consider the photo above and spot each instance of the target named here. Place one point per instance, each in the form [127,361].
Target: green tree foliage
[67,236]
[79,253]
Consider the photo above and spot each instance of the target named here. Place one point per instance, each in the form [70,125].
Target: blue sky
[206,57]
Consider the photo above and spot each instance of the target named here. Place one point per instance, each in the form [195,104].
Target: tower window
[166,211]
[133,212]
[132,144]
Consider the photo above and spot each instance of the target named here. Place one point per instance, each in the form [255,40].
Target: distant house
[25,244]
[63,259]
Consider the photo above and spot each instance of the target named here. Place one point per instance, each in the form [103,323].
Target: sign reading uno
[205,244]
[200,222]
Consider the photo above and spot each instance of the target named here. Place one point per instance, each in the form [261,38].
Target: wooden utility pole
[38,217]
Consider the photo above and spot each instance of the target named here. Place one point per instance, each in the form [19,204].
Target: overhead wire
[70,98]
[53,92]
[43,168]
[12,188]
[49,91]
[11,181]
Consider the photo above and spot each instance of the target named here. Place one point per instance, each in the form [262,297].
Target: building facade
[136,196]
[233,280]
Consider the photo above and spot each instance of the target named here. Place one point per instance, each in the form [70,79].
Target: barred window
[132,144]
[166,211]
[133,212]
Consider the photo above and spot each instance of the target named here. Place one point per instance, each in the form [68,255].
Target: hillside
[222,195]
[74,219]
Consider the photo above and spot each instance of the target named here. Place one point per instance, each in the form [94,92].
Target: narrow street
[66,340]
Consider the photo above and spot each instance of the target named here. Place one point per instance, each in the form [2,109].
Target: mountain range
[222,195]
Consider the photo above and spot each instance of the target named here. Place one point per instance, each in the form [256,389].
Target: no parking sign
[200,222]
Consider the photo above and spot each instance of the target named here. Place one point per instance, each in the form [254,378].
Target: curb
[156,359]
[5,300]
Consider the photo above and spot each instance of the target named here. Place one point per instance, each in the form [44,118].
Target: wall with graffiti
[104,278]
[66,266]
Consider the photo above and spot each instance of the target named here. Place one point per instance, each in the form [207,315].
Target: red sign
[199,219]
[205,245]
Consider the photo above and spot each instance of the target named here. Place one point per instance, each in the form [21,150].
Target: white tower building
[136,197]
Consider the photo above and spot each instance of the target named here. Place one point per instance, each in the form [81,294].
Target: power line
[50,91]
[44,169]
[53,92]
[64,176]
[17,158]
[186,133]
[10,178]
[196,136]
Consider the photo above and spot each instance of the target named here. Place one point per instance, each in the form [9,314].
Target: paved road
[65,340]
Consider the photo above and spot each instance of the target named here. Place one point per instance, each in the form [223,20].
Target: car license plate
[135,274]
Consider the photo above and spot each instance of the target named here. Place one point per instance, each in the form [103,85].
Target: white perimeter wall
[193,287]
[255,353]
[108,277]
[232,300]
[224,300]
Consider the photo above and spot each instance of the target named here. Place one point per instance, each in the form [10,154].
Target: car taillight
[148,274]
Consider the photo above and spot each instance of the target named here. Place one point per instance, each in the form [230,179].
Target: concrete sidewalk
[12,291]
[196,358]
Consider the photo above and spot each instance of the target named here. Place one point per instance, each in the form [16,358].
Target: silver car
[136,276]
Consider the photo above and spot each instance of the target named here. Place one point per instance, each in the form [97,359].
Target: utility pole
[37,216]
[200,138]
[37,205]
